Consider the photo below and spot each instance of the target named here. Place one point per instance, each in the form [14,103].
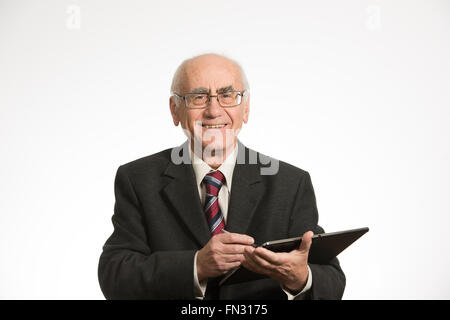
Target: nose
[213,110]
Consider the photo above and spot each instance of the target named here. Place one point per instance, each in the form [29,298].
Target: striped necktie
[213,182]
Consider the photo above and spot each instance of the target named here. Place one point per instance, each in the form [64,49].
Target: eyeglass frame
[242,94]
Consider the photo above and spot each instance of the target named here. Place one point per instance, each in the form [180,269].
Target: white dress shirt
[201,168]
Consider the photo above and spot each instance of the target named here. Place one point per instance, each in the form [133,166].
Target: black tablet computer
[324,247]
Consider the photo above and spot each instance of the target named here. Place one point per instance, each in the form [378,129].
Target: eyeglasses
[201,100]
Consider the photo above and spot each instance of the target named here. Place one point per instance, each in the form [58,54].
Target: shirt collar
[201,168]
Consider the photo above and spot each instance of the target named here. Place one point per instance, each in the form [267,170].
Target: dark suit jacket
[159,224]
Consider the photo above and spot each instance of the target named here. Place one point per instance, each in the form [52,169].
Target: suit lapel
[246,193]
[182,194]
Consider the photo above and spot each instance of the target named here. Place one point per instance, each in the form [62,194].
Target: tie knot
[213,182]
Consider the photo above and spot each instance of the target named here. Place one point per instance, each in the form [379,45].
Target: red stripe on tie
[219,228]
[212,211]
[218,175]
[212,190]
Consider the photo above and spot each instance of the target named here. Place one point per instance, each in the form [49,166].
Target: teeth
[214,126]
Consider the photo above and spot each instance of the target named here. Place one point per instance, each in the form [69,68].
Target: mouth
[213,126]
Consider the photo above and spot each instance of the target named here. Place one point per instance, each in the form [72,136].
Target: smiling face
[215,128]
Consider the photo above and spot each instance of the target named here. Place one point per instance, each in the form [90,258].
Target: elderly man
[185,216]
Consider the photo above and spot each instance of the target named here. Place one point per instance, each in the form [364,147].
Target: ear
[173,111]
[246,109]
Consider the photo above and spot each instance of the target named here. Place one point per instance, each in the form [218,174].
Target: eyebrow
[225,89]
[200,90]
[206,90]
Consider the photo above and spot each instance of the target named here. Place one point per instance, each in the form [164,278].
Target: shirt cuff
[308,285]
[199,287]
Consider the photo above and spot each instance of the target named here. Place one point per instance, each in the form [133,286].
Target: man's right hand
[222,252]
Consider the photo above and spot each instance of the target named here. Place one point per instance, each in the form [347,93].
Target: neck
[214,157]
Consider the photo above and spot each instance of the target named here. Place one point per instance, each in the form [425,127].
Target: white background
[355,92]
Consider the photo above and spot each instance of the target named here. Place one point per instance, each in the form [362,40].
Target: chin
[218,147]
[214,146]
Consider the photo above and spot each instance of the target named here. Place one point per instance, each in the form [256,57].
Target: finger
[248,251]
[269,256]
[257,259]
[251,265]
[234,248]
[229,258]
[236,238]
[306,241]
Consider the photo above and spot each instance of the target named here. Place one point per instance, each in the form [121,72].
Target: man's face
[211,74]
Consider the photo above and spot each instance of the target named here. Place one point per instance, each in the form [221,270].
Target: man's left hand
[290,269]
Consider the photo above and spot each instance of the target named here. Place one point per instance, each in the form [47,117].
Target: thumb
[306,242]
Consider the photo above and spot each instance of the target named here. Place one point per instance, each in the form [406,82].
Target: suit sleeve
[328,279]
[128,268]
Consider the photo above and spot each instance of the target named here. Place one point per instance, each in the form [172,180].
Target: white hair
[178,75]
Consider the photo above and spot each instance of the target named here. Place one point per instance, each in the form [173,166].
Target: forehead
[212,73]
